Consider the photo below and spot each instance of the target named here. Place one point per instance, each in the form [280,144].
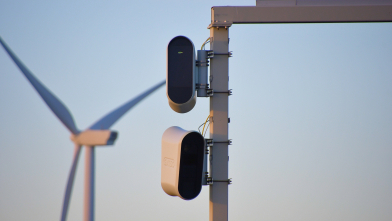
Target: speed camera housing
[182,162]
[180,75]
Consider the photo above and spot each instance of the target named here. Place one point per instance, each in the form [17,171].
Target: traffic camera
[180,76]
[182,162]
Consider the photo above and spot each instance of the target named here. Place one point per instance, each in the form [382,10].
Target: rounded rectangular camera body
[180,75]
[182,162]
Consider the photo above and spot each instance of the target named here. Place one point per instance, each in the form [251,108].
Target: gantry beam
[303,11]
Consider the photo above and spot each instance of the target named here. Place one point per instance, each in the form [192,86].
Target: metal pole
[89,184]
[219,106]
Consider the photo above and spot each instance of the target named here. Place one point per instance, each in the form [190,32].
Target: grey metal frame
[267,11]
[227,15]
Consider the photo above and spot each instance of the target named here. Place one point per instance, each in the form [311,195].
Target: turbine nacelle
[94,137]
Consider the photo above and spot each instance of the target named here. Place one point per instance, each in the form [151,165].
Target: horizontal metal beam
[275,3]
[225,16]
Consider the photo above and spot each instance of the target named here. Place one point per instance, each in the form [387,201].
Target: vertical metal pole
[219,106]
[89,184]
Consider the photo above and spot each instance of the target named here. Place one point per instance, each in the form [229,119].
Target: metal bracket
[202,63]
[202,86]
[211,181]
[210,142]
[228,142]
[211,54]
[218,25]
[211,92]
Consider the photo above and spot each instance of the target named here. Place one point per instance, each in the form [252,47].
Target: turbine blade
[107,121]
[51,100]
[68,189]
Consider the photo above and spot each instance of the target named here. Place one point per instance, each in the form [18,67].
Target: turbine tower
[97,134]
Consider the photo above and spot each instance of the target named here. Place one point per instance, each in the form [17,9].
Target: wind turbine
[97,134]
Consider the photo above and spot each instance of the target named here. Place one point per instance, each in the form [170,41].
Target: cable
[208,118]
[206,128]
[199,127]
[202,125]
[203,45]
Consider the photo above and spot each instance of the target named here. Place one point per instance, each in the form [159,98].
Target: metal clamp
[228,142]
[210,142]
[202,86]
[211,54]
[202,63]
[210,92]
[211,181]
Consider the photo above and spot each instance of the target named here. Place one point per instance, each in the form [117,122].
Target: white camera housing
[182,162]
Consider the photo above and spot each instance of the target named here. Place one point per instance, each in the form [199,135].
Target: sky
[310,113]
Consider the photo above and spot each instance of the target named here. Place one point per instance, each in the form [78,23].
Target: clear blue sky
[311,113]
